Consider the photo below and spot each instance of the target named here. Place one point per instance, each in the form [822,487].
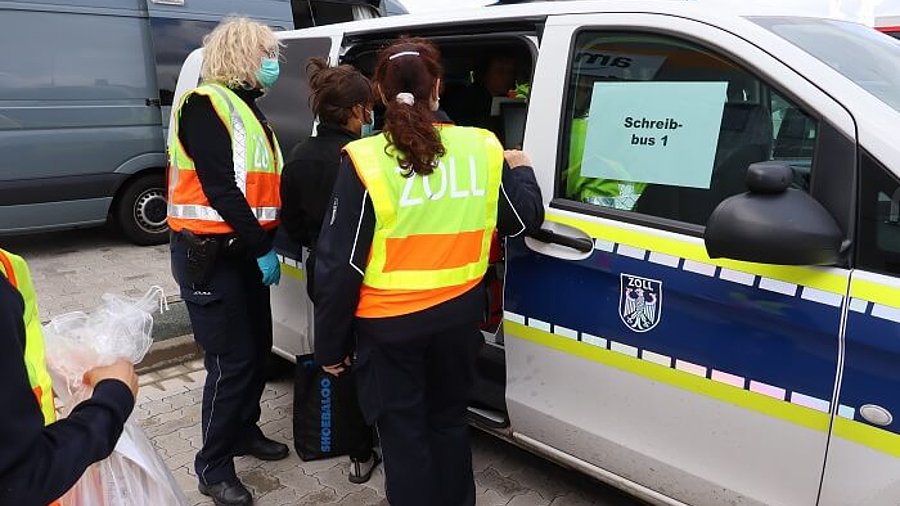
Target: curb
[170,352]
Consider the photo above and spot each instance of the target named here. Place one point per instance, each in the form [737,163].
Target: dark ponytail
[410,66]
[334,91]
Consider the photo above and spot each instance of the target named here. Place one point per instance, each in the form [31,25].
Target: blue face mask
[268,72]
[369,127]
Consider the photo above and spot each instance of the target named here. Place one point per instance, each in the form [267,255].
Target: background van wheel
[141,210]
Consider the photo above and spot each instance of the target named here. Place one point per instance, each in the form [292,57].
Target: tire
[141,210]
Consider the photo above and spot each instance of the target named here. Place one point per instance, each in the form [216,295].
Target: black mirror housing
[786,228]
[769,177]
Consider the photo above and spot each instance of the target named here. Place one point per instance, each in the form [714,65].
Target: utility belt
[204,251]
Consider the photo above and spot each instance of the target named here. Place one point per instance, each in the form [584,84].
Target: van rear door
[286,107]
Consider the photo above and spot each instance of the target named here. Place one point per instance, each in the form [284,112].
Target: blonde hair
[233,52]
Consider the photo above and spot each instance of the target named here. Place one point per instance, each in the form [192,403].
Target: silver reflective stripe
[194,212]
[265,213]
[238,142]
[206,213]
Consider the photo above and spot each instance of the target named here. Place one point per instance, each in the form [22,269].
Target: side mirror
[772,223]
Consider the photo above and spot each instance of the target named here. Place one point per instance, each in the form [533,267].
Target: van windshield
[868,58]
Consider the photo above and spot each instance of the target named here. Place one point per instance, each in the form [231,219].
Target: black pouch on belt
[202,253]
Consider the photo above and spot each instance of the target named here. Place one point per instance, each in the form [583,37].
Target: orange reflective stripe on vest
[417,252]
[8,269]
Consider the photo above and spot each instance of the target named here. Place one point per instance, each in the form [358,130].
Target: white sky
[858,10]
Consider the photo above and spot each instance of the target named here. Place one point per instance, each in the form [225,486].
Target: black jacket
[206,141]
[38,464]
[307,182]
[343,251]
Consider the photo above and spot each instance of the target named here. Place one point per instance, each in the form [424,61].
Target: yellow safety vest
[16,271]
[257,168]
[432,233]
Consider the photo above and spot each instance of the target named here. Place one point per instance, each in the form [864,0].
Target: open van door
[286,107]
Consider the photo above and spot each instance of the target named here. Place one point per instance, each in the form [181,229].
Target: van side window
[106,61]
[173,41]
[878,234]
[666,128]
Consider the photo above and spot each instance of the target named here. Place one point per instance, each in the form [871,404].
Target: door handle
[578,244]
[560,241]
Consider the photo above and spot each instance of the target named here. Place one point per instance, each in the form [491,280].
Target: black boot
[227,493]
[263,448]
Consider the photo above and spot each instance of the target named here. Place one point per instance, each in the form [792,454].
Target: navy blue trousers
[416,391]
[232,322]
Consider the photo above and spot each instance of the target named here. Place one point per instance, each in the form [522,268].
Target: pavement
[169,411]
[73,269]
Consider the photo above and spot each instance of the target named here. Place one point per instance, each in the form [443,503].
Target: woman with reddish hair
[401,256]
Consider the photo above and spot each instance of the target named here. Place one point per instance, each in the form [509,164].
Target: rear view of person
[401,256]
[342,101]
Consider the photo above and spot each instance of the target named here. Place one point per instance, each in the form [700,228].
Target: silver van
[84,88]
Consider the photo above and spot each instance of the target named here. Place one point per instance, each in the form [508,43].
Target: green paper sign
[654,132]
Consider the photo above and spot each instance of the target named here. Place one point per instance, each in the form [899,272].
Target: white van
[711,314]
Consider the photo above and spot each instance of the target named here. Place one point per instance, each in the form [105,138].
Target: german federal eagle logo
[640,302]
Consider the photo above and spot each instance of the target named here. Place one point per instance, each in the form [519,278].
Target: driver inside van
[471,106]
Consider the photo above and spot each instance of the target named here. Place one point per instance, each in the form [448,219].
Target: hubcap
[150,211]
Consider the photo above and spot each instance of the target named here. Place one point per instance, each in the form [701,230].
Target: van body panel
[73,122]
[155,160]
[45,216]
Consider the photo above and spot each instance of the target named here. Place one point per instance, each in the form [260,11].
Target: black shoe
[361,471]
[227,493]
[264,448]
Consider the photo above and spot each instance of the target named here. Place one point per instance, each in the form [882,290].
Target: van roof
[699,9]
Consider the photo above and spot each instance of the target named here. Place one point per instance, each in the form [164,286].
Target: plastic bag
[134,475]
[122,327]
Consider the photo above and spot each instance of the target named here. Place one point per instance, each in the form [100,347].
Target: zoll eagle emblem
[640,302]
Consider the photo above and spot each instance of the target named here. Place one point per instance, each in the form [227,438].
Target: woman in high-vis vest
[41,458]
[402,253]
[224,203]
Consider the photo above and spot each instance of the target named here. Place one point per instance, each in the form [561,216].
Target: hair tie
[406,98]
[403,53]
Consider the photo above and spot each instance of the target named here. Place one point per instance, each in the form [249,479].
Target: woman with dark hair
[402,253]
[341,98]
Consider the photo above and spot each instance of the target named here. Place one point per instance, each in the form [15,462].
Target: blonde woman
[224,204]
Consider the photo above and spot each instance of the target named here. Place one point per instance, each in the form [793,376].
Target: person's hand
[271,270]
[121,370]
[516,158]
[337,369]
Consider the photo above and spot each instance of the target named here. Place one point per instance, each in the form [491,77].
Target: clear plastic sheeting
[121,328]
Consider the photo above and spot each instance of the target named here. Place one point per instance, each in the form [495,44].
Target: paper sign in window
[654,132]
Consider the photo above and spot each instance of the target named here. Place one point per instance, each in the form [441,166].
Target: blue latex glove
[270,268]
